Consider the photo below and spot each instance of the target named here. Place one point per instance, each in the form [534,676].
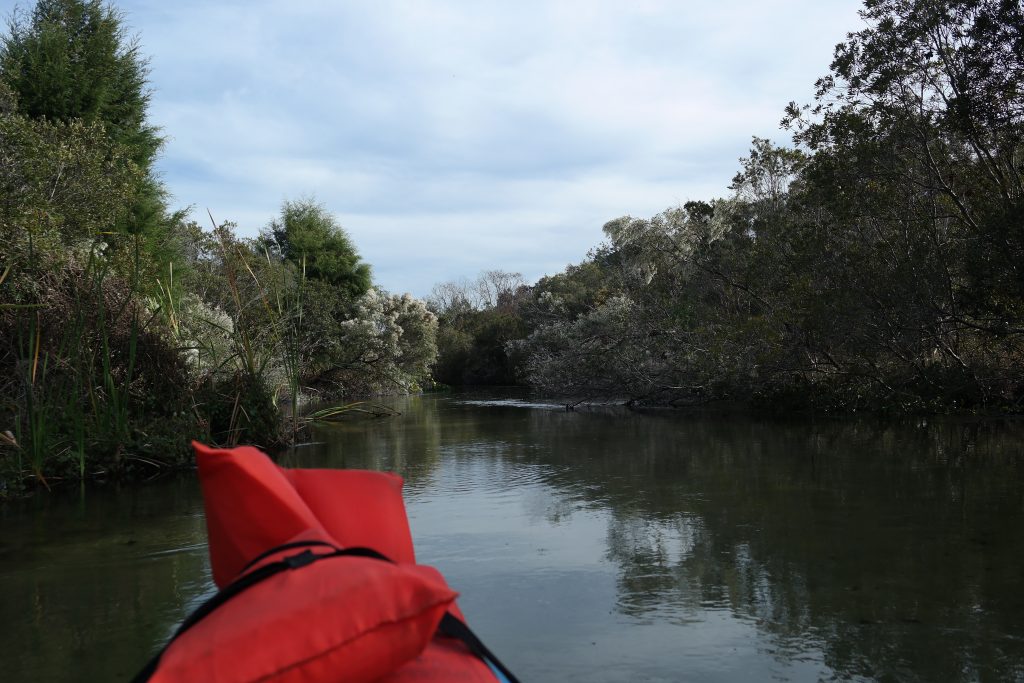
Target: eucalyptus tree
[916,141]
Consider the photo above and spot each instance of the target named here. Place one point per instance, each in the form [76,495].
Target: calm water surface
[602,545]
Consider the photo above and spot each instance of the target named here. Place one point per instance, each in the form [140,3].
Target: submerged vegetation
[125,327]
[874,264]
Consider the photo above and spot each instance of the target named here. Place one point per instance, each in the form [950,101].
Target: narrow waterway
[601,545]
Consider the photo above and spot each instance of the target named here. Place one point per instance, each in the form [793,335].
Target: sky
[450,137]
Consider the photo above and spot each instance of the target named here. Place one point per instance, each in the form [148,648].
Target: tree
[917,137]
[925,102]
[478,319]
[875,265]
[389,343]
[60,184]
[308,236]
[72,59]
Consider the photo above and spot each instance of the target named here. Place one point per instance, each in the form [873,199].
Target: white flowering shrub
[596,354]
[205,334]
[388,344]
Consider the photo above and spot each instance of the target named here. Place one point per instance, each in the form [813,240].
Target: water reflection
[863,549]
[605,545]
[91,581]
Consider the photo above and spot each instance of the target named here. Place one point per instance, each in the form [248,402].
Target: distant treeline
[877,263]
[125,327]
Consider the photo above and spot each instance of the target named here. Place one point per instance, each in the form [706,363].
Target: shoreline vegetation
[874,264]
[871,265]
[126,328]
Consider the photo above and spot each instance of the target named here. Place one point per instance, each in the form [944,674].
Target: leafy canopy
[71,59]
[308,236]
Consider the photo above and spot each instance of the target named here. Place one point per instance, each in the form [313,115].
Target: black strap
[453,627]
[449,626]
[281,548]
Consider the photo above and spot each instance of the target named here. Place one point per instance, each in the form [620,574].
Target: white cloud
[451,136]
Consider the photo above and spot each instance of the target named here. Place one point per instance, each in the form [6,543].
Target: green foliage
[875,267]
[86,370]
[256,329]
[386,344]
[308,236]
[125,330]
[477,352]
[92,383]
[570,293]
[63,183]
[477,321]
[71,60]
[239,408]
[8,100]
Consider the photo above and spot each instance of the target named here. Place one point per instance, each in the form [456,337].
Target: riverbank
[127,328]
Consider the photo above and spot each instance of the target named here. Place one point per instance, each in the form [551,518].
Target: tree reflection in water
[892,548]
[604,544]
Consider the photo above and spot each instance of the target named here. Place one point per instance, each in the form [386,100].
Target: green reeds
[31,420]
[76,349]
[31,427]
[252,363]
[255,340]
[109,394]
[366,408]
[76,404]
[114,406]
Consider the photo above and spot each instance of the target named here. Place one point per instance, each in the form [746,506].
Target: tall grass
[77,357]
[31,435]
[31,430]
[112,399]
[83,360]
[236,387]
[290,309]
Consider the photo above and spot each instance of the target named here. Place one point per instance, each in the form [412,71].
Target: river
[601,545]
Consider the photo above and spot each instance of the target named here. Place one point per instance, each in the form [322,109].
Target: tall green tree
[917,138]
[923,111]
[73,59]
[309,236]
